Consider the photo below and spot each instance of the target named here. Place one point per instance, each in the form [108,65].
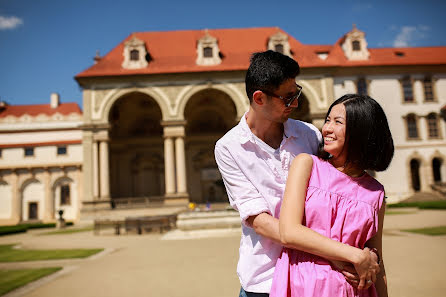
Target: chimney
[55,100]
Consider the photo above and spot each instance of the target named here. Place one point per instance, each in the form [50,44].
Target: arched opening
[302,112]
[65,198]
[209,115]
[32,200]
[415,174]
[436,169]
[136,147]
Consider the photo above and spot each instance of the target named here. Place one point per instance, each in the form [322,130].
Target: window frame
[432,83]
[417,129]
[411,81]
[62,147]
[28,149]
[436,120]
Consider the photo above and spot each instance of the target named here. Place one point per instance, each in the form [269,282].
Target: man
[254,158]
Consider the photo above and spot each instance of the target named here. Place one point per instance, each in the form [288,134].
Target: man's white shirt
[255,175]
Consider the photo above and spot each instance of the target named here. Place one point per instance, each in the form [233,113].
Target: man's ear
[258,97]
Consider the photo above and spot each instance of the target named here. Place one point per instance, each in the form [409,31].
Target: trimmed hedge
[6,230]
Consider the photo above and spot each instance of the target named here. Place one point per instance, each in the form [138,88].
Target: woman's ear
[258,97]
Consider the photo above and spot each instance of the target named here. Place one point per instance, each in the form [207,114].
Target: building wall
[387,90]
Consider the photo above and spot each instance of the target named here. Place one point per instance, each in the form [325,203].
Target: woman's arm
[376,242]
[294,235]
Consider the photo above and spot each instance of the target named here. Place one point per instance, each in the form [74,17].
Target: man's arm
[265,225]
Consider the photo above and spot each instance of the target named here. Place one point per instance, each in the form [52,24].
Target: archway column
[175,161]
[16,201]
[95,171]
[104,172]
[48,204]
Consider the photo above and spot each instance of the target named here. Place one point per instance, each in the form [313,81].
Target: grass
[68,231]
[12,279]
[397,212]
[433,231]
[8,254]
[441,204]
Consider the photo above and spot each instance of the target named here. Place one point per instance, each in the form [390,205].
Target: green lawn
[68,231]
[12,279]
[441,204]
[8,254]
[434,231]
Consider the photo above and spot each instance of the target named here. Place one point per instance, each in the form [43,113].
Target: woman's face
[333,132]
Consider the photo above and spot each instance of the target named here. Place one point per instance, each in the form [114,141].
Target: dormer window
[208,53]
[279,43]
[134,54]
[279,48]
[355,45]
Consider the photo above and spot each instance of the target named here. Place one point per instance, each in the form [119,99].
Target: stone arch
[415,165]
[136,138]
[311,94]
[209,114]
[438,168]
[154,93]
[240,101]
[32,196]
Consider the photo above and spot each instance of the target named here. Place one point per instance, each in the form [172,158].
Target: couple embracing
[312,217]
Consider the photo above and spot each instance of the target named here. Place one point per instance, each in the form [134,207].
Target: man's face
[275,109]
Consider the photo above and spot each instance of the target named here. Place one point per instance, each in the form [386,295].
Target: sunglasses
[287,100]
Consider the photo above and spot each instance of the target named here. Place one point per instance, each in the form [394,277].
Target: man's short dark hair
[368,139]
[268,70]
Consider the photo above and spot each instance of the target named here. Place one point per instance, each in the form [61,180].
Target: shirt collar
[246,134]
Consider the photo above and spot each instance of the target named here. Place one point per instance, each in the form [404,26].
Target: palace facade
[155,105]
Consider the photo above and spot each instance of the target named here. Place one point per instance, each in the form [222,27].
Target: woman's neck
[349,170]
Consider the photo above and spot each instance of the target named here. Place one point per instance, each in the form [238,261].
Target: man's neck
[269,132]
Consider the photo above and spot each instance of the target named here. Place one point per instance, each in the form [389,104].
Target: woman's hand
[366,267]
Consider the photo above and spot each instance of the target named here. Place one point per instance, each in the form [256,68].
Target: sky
[45,43]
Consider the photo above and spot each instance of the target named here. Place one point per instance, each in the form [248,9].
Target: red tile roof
[36,109]
[175,52]
[34,144]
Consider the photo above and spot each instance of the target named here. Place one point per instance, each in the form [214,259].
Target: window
[207,52]
[428,91]
[356,45]
[279,48]
[0,153]
[407,89]
[134,55]
[61,150]
[432,126]
[29,151]
[361,86]
[65,195]
[412,129]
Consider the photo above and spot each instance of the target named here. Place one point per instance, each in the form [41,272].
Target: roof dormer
[134,54]
[208,52]
[279,42]
[355,45]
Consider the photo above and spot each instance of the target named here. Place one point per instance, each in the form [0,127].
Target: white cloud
[11,22]
[409,35]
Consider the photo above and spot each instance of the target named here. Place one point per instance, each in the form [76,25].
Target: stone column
[16,199]
[181,166]
[169,166]
[95,171]
[88,165]
[104,170]
[48,203]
